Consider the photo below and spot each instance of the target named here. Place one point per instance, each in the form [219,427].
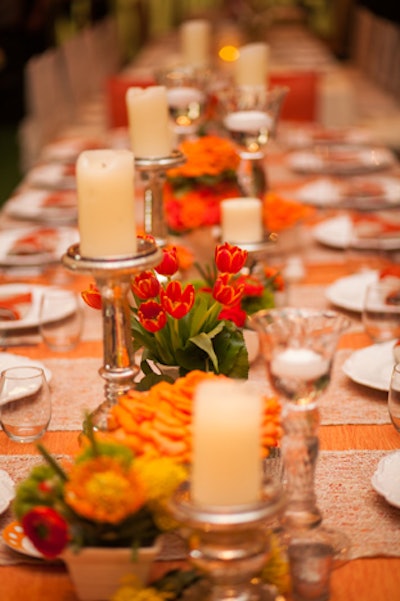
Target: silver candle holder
[153,173]
[112,276]
[230,545]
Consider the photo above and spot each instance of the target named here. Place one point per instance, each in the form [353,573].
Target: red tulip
[229,258]
[145,285]
[47,530]
[177,301]
[234,314]
[152,316]
[169,264]
[252,285]
[225,293]
[92,297]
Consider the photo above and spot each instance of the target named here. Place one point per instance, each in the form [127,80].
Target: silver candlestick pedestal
[153,173]
[112,278]
[230,545]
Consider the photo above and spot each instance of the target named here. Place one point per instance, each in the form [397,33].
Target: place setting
[58,207]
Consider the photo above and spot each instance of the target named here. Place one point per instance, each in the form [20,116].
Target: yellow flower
[132,590]
[101,489]
[160,478]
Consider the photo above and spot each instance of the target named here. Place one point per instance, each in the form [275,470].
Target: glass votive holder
[60,319]
[311,556]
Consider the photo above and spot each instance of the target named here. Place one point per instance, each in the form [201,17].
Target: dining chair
[301,102]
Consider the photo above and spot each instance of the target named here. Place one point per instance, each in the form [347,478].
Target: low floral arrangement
[105,497]
[193,192]
[281,213]
[158,422]
[194,325]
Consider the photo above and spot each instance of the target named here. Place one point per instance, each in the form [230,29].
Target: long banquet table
[355,433]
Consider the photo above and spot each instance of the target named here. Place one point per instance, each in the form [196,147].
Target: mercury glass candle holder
[230,545]
[153,173]
[113,276]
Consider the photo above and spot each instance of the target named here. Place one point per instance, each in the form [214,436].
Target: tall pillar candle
[227,465]
[241,220]
[106,203]
[195,36]
[251,67]
[149,124]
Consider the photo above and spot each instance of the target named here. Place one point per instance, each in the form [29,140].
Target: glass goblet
[298,346]
[381,311]
[250,115]
[394,397]
[25,403]
[187,97]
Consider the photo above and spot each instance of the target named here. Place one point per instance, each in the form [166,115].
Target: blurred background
[349,28]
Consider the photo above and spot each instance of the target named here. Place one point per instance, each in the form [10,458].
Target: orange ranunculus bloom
[92,296]
[280,213]
[101,489]
[208,155]
[230,258]
[169,264]
[252,285]
[177,301]
[145,285]
[152,316]
[224,292]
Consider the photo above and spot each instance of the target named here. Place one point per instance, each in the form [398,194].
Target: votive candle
[241,220]
[149,124]
[106,203]
[251,67]
[302,363]
[227,465]
[195,36]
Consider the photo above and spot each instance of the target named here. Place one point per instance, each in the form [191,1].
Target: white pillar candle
[241,220]
[195,37]
[106,203]
[301,363]
[149,124]
[251,67]
[227,464]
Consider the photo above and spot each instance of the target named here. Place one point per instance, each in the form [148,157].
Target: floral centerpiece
[193,191]
[196,325]
[105,497]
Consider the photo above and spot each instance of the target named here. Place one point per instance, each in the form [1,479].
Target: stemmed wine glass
[250,115]
[298,346]
[187,97]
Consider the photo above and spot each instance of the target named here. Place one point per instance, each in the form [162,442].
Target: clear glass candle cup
[381,311]
[60,319]
[25,403]
[394,397]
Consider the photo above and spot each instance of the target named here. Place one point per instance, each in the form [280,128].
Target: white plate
[50,176]
[371,366]
[31,318]
[386,479]
[348,292]
[65,238]
[362,194]
[14,537]
[9,360]
[299,136]
[7,490]
[338,232]
[341,159]
[30,204]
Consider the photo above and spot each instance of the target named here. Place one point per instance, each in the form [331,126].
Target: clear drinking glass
[25,403]
[187,97]
[394,397]
[381,311]
[60,319]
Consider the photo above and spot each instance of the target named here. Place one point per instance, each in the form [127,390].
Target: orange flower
[101,489]
[208,155]
[281,213]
